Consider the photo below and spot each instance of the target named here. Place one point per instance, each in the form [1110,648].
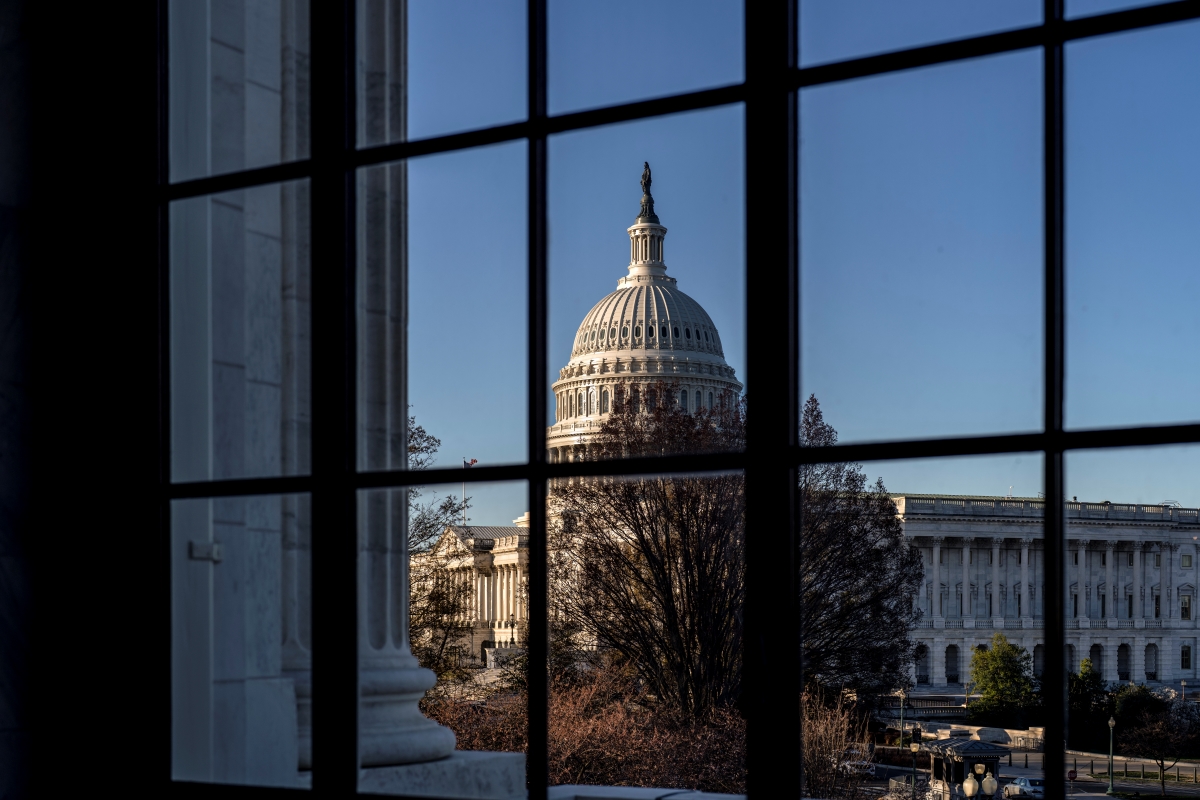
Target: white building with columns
[645,333]
[1130,586]
[494,561]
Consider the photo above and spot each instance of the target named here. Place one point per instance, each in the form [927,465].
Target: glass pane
[922,593]
[443,580]
[240,322]
[1132,241]
[238,85]
[1086,8]
[647,356]
[241,640]
[431,67]
[442,299]
[623,50]
[645,642]
[1132,537]
[832,30]
[921,250]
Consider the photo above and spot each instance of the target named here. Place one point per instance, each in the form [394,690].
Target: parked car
[857,768]
[1026,787]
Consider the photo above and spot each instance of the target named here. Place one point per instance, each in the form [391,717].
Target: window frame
[769,95]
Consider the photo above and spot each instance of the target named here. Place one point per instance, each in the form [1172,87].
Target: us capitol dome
[645,333]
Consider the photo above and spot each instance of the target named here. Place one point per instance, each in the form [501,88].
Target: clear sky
[920,220]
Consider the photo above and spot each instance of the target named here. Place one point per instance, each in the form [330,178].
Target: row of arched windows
[601,336]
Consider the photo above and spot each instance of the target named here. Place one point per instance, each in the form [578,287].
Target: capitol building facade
[1130,585]
[1131,574]
[644,335]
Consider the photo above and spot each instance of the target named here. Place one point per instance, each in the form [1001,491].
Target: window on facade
[912,180]
[1185,561]
[1157,560]
[1129,607]
[1185,657]
[1157,606]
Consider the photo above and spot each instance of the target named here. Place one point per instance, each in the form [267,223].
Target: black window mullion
[1054,687]
[771,665]
[537,766]
[334,522]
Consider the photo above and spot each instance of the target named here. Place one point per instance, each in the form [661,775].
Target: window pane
[921,250]
[241,640]
[1086,8]
[922,579]
[431,67]
[623,50]
[240,322]
[645,641]
[453,638]
[832,30]
[622,359]
[238,85]
[1132,529]
[442,299]
[1132,241]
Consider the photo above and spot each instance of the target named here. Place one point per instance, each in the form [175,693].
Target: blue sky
[921,226]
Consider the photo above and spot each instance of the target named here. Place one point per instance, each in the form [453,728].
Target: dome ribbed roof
[647,314]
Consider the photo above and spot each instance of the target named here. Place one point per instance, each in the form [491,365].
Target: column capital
[967,541]
[997,541]
[1137,546]
[1172,546]
[938,541]
[1082,544]
[1027,541]
[1110,545]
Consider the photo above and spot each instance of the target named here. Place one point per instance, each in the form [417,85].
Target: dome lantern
[646,236]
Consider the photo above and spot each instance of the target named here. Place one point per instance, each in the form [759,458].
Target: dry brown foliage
[604,731]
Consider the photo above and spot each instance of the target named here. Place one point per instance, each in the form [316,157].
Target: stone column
[937,662]
[967,611]
[936,594]
[1109,573]
[1137,664]
[1168,580]
[1110,660]
[1138,604]
[997,601]
[1081,572]
[1026,595]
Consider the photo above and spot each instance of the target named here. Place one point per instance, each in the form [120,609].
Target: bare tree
[858,575]
[834,743]
[439,608]
[654,567]
[1163,732]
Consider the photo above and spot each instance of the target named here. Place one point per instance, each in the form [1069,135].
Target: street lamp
[971,786]
[1184,683]
[1112,723]
[989,785]
[902,693]
[511,625]
[915,748]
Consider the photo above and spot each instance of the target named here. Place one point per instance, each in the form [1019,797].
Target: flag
[471,463]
